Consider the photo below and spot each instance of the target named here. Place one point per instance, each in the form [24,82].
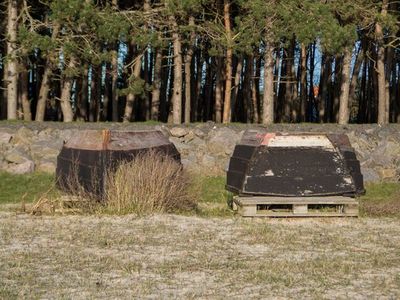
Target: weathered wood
[296,200]
[294,165]
[296,206]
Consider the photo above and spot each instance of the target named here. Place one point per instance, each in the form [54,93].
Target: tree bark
[345,88]
[95,94]
[246,91]
[389,65]
[3,96]
[65,98]
[82,104]
[323,86]
[303,84]
[228,67]
[207,90]
[311,97]
[114,75]
[290,83]
[362,106]
[177,88]
[268,97]
[398,97]
[114,86]
[383,115]
[26,105]
[238,73]
[188,75]
[131,97]
[197,85]
[155,103]
[218,91]
[45,84]
[281,77]
[337,88]
[11,66]
[354,78]
[254,93]
[106,96]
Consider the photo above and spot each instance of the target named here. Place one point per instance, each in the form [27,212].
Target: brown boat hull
[293,165]
[88,163]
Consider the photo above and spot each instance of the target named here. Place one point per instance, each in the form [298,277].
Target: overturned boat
[289,168]
[87,157]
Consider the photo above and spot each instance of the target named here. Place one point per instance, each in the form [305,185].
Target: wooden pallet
[328,206]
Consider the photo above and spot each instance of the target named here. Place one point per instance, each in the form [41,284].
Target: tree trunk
[197,85]
[290,83]
[398,97]
[155,103]
[254,92]
[383,116]
[238,73]
[11,68]
[337,88]
[362,106]
[311,97]
[114,74]
[268,97]
[344,89]
[188,73]
[303,84]
[114,86]
[82,104]
[45,84]
[95,94]
[323,87]
[207,90]
[26,105]
[281,77]
[166,76]
[354,78]
[106,97]
[3,96]
[295,96]
[246,92]
[131,97]
[218,91]
[177,88]
[228,67]
[146,103]
[389,65]
[65,98]
[145,99]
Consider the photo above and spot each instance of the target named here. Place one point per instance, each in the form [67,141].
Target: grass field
[27,188]
[381,199]
[210,253]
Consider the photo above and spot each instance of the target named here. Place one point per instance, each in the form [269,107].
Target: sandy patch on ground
[171,256]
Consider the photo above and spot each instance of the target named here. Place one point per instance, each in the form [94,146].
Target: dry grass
[169,256]
[149,184]
[381,200]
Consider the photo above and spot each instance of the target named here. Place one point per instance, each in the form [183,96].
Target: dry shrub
[150,183]
[75,198]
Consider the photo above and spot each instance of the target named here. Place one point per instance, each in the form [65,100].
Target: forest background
[188,61]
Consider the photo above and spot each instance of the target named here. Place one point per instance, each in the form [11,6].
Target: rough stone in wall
[205,148]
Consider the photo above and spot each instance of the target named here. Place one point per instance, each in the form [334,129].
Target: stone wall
[205,148]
